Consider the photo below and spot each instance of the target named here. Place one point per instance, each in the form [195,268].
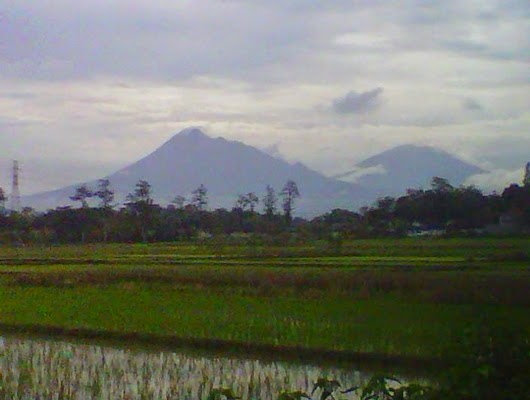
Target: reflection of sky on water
[48,369]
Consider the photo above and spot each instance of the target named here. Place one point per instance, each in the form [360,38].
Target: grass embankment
[395,298]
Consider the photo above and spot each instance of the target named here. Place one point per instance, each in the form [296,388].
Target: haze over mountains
[393,171]
[228,168]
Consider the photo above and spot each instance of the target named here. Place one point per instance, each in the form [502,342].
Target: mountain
[226,168]
[392,172]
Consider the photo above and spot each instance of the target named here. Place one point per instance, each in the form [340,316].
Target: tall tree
[82,194]
[105,194]
[269,201]
[252,201]
[289,194]
[200,198]
[242,202]
[106,199]
[140,203]
[3,198]
[441,185]
[141,194]
[179,201]
[526,180]
[249,200]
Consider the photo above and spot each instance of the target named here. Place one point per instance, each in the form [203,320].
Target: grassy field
[406,298]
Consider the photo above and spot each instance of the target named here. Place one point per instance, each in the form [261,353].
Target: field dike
[369,360]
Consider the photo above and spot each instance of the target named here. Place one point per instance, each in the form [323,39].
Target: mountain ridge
[227,168]
[392,171]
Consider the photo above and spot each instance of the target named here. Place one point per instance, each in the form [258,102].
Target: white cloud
[496,180]
[274,151]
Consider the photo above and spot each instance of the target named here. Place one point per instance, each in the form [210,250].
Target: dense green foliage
[442,209]
[487,363]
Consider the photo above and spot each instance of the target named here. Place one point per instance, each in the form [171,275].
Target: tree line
[442,208]
[140,219]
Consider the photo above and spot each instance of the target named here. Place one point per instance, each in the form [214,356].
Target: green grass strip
[382,325]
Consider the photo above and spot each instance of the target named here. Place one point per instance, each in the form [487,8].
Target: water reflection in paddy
[49,369]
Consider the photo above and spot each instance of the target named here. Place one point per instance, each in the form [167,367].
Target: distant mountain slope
[393,171]
[226,168]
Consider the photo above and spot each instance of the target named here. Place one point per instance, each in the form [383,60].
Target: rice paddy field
[389,300]
[37,368]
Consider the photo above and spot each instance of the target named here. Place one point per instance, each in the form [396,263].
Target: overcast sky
[87,87]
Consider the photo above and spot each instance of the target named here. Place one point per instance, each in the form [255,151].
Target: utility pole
[15,189]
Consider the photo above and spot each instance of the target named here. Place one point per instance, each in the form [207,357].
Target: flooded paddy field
[44,368]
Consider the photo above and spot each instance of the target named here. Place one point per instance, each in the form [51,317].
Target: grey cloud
[282,59]
[21,95]
[6,122]
[164,40]
[507,151]
[472,105]
[137,40]
[491,51]
[489,30]
[356,103]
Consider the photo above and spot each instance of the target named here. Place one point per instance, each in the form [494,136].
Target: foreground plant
[222,394]
[298,395]
[414,391]
[380,387]
[489,363]
[328,387]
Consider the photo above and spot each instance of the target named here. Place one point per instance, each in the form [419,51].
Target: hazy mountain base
[228,168]
[393,171]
